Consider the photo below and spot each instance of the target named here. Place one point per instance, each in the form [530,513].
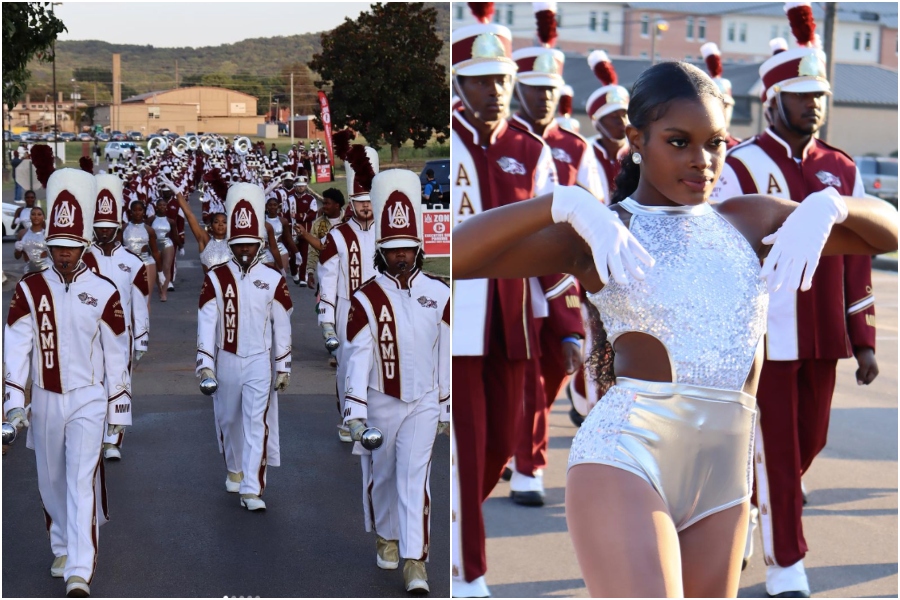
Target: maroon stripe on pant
[487,413]
[794,400]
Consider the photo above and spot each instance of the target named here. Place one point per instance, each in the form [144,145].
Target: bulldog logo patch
[828,179]
[561,155]
[261,284]
[511,166]
[87,299]
[427,302]
[125,268]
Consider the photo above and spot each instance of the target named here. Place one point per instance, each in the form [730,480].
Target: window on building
[645,25]
[773,33]
[559,14]
[643,55]
[593,21]
[497,15]
[743,33]
[689,26]
[730,31]
[785,32]
[868,46]
[856,38]
[460,9]
[153,112]
[604,22]
[701,30]
[509,14]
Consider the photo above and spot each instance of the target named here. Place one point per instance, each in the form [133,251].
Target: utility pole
[828,48]
[176,73]
[291,119]
[659,26]
[55,96]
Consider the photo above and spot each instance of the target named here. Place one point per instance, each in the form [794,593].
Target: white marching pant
[341,312]
[401,469]
[117,438]
[66,434]
[241,406]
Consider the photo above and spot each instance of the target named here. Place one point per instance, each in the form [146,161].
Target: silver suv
[119,150]
[879,175]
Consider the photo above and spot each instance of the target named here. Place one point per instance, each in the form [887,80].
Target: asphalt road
[850,522]
[174,531]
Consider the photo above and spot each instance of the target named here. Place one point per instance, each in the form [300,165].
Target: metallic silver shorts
[693,444]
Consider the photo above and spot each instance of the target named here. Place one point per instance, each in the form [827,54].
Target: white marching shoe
[470,589]
[58,566]
[748,546]
[252,502]
[77,587]
[787,582]
[415,577]
[111,452]
[233,482]
[525,490]
[387,553]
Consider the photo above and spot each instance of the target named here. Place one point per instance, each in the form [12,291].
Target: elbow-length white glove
[614,248]
[798,243]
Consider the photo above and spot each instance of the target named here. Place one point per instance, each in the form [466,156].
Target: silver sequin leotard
[136,239]
[703,300]
[216,253]
[162,228]
[36,249]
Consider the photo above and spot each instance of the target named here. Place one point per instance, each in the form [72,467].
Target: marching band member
[808,330]
[607,107]
[398,377]
[107,257]
[68,323]
[332,206]
[307,209]
[140,239]
[347,261]
[713,59]
[243,324]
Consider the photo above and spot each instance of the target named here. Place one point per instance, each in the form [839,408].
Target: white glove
[328,331]
[272,185]
[206,373]
[798,243]
[19,246]
[614,248]
[298,258]
[16,417]
[356,426]
[181,251]
[443,427]
[138,355]
[282,380]
[167,183]
[114,429]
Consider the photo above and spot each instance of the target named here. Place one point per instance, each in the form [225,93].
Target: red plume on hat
[340,143]
[86,164]
[603,67]
[482,11]
[214,179]
[710,53]
[362,167]
[564,107]
[545,14]
[803,26]
[43,161]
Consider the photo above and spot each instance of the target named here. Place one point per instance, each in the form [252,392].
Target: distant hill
[254,65]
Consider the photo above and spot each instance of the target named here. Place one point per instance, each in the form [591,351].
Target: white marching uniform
[243,325]
[346,261]
[398,380]
[75,338]
[127,271]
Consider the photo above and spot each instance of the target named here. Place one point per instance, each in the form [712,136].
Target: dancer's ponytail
[626,181]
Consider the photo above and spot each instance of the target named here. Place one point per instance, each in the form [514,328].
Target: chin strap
[784,117]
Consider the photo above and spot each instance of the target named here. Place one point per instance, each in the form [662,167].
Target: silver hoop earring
[636,158]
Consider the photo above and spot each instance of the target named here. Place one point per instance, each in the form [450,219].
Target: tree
[29,30]
[385,78]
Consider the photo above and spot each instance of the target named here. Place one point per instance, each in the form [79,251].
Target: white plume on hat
[776,44]
[397,208]
[71,200]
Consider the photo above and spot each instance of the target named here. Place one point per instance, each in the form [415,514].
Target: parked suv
[879,175]
[119,150]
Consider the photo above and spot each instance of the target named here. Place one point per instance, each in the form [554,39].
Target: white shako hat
[397,208]
[362,166]
[800,69]
[713,59]
[71,200]
[564,109]
[483,48]
[609,98]
[303,175]
[245,206]
[108,212]
[542,65]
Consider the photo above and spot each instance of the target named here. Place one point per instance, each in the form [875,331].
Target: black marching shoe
[800,594]
[528,498]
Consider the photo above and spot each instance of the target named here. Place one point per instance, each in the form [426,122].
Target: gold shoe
[252,502]
[415,577]
[58,566]
[387,555]
[76,587]
[233,482]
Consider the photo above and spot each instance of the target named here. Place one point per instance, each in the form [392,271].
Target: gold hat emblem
[811,66]
[488,45]
[546,64]
[617,95]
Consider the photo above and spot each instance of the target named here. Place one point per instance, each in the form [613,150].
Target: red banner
[323,173]
[437,232]
[326,121]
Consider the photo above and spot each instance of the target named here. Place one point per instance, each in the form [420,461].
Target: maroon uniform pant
[794,400]
[544,377]
[487,409]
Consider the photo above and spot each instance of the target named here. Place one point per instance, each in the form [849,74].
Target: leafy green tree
[29,30]
[385,78]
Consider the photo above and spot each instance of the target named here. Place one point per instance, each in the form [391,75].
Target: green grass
[438,266]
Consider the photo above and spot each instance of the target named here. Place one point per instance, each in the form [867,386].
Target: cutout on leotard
[642,355]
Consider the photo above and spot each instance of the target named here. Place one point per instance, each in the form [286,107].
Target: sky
[197,24]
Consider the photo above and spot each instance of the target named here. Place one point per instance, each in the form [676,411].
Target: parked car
[103,137]
[67,137]
[172,136]
[134,136]
[441,170]
[879,175]
[85,137]
[9,211]
[118,136]
[119,150]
